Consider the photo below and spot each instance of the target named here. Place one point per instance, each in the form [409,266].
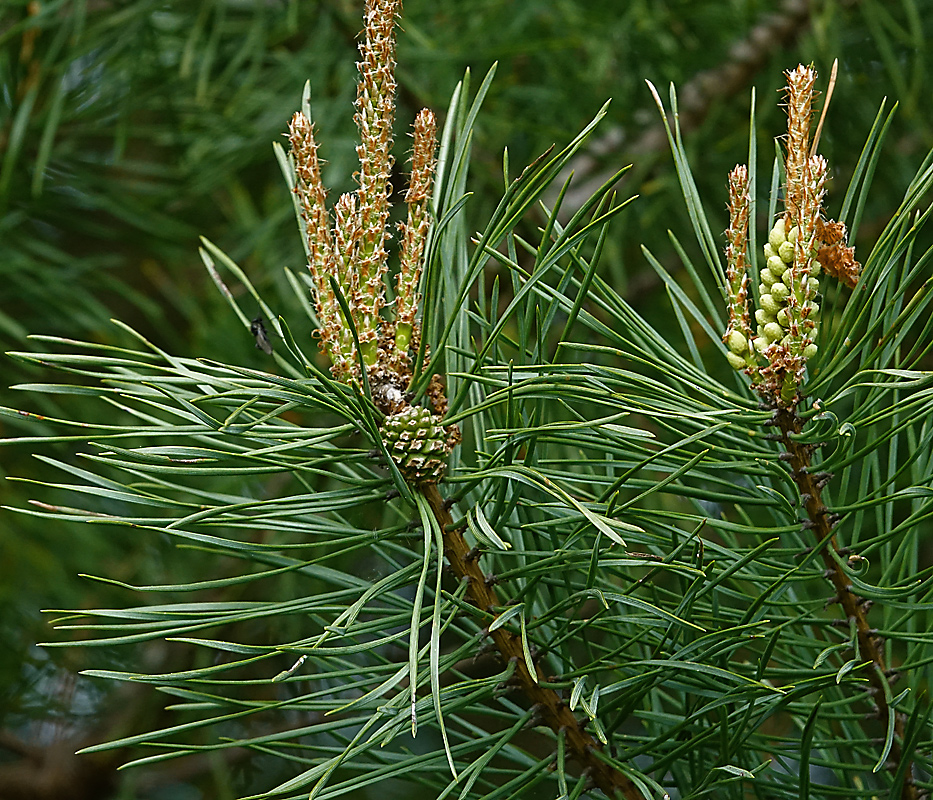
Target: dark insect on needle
[258,329]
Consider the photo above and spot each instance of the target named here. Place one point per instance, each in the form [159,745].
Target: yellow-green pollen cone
[772,317]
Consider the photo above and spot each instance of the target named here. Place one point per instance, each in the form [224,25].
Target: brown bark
[552,709]
[870,646]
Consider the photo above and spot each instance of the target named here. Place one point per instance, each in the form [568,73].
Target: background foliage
[128,129]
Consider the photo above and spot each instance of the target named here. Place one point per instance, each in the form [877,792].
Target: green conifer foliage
[492,534]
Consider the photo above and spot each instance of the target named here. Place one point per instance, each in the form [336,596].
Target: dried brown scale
[854,607]
[553,711]
[837,259]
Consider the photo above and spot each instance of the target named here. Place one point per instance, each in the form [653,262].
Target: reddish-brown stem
[869,645]
[554,712]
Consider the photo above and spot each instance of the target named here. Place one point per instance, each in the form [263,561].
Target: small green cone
[417,443]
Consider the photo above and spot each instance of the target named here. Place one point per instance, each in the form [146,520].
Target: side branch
[855,608]
[554,712]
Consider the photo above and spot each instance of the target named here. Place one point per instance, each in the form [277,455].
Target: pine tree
[564,550]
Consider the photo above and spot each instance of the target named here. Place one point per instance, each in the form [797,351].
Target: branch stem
[552,709]
[870,646]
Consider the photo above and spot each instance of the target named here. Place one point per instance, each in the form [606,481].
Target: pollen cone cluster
[801,246]
[348,255]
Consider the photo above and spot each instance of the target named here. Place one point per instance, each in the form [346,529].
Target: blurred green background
[128,129]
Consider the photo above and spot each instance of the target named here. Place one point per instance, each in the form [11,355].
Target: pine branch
[856,609]
[552,709]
